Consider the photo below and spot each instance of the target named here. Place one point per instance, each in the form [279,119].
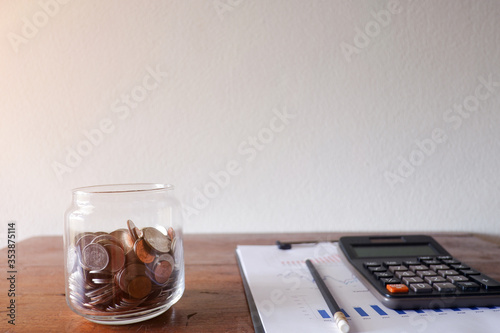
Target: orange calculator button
[397,288]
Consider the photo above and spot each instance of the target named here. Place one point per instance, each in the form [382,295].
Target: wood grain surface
[214,299]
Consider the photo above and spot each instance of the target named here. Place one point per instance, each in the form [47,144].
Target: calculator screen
[409,250]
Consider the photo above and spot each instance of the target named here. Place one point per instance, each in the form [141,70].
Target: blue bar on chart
[491,307]
[324,314]
[345,313]
[456,309]
[379,310]
[474,308]
[437,310]
[361,312]
[419,311]
[401,312]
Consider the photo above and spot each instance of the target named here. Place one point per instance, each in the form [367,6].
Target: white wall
[361,88]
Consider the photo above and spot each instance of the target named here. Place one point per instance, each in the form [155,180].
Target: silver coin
[156,240]
[94,257]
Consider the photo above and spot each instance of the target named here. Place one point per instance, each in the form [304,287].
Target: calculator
[416,272]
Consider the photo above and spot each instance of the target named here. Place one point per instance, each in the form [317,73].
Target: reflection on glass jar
[123,252]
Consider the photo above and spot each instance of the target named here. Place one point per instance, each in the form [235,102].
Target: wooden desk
[214,300]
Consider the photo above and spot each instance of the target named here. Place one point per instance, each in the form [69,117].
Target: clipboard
[254,313]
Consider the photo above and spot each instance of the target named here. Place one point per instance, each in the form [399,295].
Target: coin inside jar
[120,271]
[156,240]
[134,231]
[162,271]
[124,237]
[128,274]
[171,233]
[83,241]
[106,239]
[116,257]
[95,257]
[143,252]
[139,287]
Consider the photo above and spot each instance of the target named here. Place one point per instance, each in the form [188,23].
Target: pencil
[338,315]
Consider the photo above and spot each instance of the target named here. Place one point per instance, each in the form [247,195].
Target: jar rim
[123,188]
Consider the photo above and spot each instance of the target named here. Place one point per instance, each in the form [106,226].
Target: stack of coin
[123,271]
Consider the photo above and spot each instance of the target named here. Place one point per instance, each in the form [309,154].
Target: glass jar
[124,259]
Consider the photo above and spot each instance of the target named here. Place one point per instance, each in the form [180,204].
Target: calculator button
[444,287]
[397,268]
[431,262]
[469,272]
[387,281]
[411,280]
[447,272]
[423,274]
[438,267]
[380,275]
[485,281]
[460,267]
[421,287]
[451,262]
[411,262]
[444,258]
[434,279]
[468,286]
[371,264]
[426,258]
[392,263]
[456,278]
[397,288]
[415,268]
[401,274]
[377,269]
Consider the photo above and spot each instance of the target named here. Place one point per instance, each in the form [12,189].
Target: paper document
[288,300]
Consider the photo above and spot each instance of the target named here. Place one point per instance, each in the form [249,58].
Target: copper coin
[106,239]
[128,274]
[131,258]
[171,233]
[143,252]
[156,240]
[125,239]
[95,257]
[139,287]
[165,257]
[162,271]
[133,230]
[116,257]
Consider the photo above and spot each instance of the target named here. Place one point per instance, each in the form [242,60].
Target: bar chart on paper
[287,297]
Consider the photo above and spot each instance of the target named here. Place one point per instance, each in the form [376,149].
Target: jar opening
[123,188]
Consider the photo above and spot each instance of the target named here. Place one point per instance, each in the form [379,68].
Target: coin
[134,231]
[94,257]
[83,241]
[129,273]
[156,240]
[131,258]
[126,240]
[116,257]
[143,252]
[122,272]
[173,245]
[162,271]
[171,233]
[107,239]
[139,287]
